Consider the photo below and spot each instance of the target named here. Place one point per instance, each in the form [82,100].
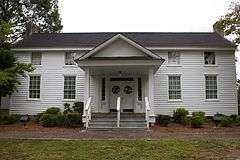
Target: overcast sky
[142,16]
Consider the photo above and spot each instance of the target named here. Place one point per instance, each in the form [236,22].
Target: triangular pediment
[119,47]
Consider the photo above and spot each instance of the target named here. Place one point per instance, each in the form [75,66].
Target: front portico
[119,68]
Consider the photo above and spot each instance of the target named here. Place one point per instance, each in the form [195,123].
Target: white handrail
[88,111]
[118,111]
[147,111]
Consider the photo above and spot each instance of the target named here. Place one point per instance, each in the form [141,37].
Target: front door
[123,88]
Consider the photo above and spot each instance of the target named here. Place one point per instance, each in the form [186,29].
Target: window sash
[173,57]
[211,87]
[209,58]
[34,86]
[69,58]
[69,87]
[174,87]
[36,58]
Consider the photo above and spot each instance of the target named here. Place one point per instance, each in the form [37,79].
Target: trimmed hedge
[180,116]
[53,110]
[199,113]
[9,119]
[225,121]
[163,120]
[197,121]
[48,120]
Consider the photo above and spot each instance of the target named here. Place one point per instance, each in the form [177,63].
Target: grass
[118,149]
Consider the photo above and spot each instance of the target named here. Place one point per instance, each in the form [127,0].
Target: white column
[86,86]
[150,86]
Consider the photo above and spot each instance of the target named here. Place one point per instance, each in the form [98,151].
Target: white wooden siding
[192,71]
[52,73]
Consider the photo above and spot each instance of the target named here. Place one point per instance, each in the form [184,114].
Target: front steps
[128,121]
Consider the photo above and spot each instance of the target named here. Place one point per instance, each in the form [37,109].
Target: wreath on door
[128,90]
[115,89]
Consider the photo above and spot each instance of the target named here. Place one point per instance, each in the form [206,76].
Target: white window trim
[28,85]
[210,65]
[76,78]
[174,100]
[36,65]
[211,100]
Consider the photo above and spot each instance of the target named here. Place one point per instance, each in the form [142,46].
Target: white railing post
[88,111]
[147,111]
[118,111]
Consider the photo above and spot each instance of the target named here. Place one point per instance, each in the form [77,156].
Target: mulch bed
[32,130]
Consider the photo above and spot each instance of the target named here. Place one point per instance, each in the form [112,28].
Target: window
[36,58]
[211,86]
[103,88]
[69,58]
[209,58]
[140,89]
[174,87]
[69,87]
[173,58]
[34,87]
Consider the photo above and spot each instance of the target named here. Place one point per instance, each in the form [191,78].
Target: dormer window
[69,58]
[173,58]
[209,58]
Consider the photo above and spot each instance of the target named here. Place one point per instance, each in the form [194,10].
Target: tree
[19,13]
[10,69]
[230,23]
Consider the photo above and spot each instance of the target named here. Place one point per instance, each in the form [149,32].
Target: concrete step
[117,128]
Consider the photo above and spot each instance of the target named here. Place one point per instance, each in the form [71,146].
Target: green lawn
[117,149]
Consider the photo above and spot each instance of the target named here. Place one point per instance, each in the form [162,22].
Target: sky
[143,16]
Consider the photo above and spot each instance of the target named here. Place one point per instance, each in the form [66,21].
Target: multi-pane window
[174,87]
[34,86]
[140,89]
[103,89]
[36,58]
[211,86]
[173,57]
[69,87]
[209,58]
[69,58]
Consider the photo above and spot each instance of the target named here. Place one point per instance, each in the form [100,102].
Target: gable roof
[117,37]
[145,39]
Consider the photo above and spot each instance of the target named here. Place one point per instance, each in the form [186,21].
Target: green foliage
[53,110]
[163,120]
[78,107]
[9,119]
[74,119]
[199,113]
[233,117]
[197,121]
[42,13]
[38,116]
[180,116]
[225,121]
[48,120]
[67,108]
[238,120]
[230,23]
[61,120]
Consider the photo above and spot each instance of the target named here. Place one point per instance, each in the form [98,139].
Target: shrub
[48,120]
[9,119]
[180,115]
[199,113]
[38,116]
[197,121]
[53,110]
[78,107]
[61,120]
[163,120]
[74,119]
[238,120]
[233,117]
[225,121]
[67,108]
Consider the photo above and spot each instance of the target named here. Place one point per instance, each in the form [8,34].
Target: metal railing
[118,111]
[147,111]
[88,111]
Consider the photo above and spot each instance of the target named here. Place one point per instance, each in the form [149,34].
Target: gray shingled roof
[146,39]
